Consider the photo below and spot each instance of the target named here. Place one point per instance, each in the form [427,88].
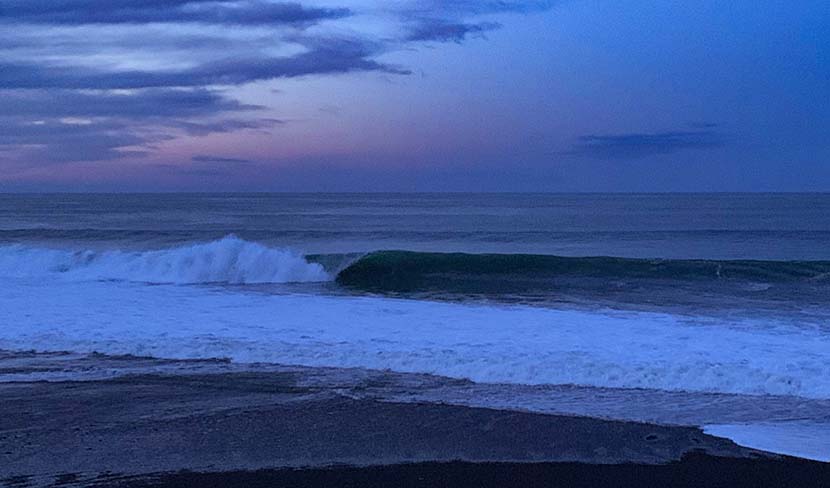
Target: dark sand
[695,470]
[247,429]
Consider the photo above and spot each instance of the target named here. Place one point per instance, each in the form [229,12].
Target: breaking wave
[228,260]
[236,261]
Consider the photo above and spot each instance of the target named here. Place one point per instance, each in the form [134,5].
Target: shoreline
[288,427]
[171,423]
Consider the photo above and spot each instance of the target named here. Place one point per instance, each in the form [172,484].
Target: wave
[238,261]
[228,260]
[405,271]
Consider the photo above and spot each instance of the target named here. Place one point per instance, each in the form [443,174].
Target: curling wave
[404,271]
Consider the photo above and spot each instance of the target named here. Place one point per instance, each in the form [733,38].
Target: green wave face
[404,271]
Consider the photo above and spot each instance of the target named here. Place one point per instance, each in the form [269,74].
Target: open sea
[693,309]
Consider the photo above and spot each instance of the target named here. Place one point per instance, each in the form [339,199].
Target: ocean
[682,309]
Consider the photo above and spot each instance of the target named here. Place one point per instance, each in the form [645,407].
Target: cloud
[639,145]
[238,12]
[68,125]
[202,158]
[222,126]
[477,7]
[67,139]
[444,31]
[205,165]
[108,79]
[157,102]
[72,103]
[703,125]
[192,170]
[332,57]
[60,141]
[447,20]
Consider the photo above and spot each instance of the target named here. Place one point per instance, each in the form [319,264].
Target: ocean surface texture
[692,309]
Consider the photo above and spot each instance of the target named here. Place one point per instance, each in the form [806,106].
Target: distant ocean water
[698,295]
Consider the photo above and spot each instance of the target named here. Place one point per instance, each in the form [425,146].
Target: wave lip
[229,260]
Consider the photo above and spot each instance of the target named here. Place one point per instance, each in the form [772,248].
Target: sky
[414,95]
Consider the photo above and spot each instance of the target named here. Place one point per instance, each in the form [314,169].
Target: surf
[483,343]
[229,260]
[237,261]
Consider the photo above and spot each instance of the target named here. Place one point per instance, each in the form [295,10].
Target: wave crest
[228,260]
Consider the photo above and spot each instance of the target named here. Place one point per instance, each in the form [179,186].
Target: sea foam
[229,260]
[484,343]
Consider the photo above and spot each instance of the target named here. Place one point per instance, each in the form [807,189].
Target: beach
[303,427]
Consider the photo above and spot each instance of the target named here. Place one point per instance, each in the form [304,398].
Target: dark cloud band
[69,125]
[444,31]
[637,145]
[139,104]
[326,57]
[238,12]
[203,158]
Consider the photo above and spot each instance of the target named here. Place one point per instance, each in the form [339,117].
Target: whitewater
[85,301]
[229,260]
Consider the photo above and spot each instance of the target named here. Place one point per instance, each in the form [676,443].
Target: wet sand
[278,428]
